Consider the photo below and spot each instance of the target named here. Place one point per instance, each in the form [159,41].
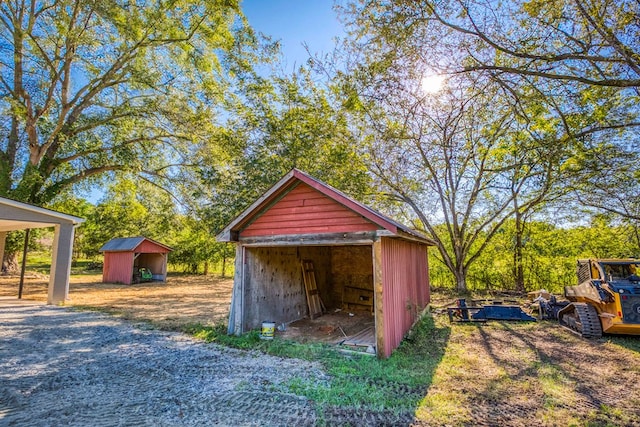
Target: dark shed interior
[274,288]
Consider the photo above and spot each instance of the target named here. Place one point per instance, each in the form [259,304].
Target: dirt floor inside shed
[353,330]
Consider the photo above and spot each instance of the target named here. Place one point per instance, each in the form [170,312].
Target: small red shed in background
[124,258]
[359,258]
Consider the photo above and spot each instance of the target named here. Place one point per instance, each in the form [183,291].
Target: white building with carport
[16,215]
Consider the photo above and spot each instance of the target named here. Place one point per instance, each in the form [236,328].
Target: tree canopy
[558,92]
[91,87]
[171,109]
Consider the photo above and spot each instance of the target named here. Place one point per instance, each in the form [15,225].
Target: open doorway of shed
[154,262]
[344,278]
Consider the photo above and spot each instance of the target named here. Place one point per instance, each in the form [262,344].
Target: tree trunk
[206,268]
[518,269]
[461,280]
[224,266]
[10,263]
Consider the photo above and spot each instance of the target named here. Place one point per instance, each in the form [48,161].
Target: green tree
[276,123]
[591,43]
[129,209]
[88,88]
[468,157]
[607,180]
[196,249]
[563,102]
[577,59]
[453,162]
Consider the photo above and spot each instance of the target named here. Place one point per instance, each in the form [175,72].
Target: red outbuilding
[305,248]
[132,259]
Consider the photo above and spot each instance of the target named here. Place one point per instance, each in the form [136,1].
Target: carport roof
[16,215]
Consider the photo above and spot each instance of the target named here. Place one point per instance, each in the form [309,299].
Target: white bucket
[268,330]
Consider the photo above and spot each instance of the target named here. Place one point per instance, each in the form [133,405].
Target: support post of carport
[61,263]
[3,239]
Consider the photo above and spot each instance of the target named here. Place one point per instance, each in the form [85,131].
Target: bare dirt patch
[517,374]
[182,300]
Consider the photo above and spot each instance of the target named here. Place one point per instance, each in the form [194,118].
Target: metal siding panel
[405,288]
[119,267]
[298,213]
[148,247]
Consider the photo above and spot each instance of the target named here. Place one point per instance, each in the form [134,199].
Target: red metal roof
[291,181]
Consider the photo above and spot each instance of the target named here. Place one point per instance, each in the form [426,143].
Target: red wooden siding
[118,267]
[305,210]
[148,247]
[405,274]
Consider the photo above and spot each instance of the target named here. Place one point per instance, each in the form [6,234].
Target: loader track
[582,319]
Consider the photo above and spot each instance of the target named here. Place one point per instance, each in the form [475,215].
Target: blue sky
[295,22]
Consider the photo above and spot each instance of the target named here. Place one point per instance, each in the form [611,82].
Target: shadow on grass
[571,373]
[360,390]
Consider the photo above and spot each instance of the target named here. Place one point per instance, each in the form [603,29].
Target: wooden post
[24,261]
[165,262]
[378,289]
[236,314]
[61,263]
[3,239]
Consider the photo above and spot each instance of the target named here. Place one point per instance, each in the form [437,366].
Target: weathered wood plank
[273,287]
[348,228]
[365,337]
[318,217]
[310,220]
[313,239]
[311,287]
[357,298]
[325,209]
[321,200]
[304,209]
[351,266]
[378,298]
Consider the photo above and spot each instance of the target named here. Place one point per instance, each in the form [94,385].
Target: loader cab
[623,274]
[615,274]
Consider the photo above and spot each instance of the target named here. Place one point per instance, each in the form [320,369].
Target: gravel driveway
[60,367]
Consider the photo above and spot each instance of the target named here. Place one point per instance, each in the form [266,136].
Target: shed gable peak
[303,209]
[254,214]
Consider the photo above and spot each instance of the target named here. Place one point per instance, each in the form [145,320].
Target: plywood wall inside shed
[153,261]
[274,289]
[352,277]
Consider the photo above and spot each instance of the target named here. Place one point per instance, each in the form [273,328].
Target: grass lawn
[496,373]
